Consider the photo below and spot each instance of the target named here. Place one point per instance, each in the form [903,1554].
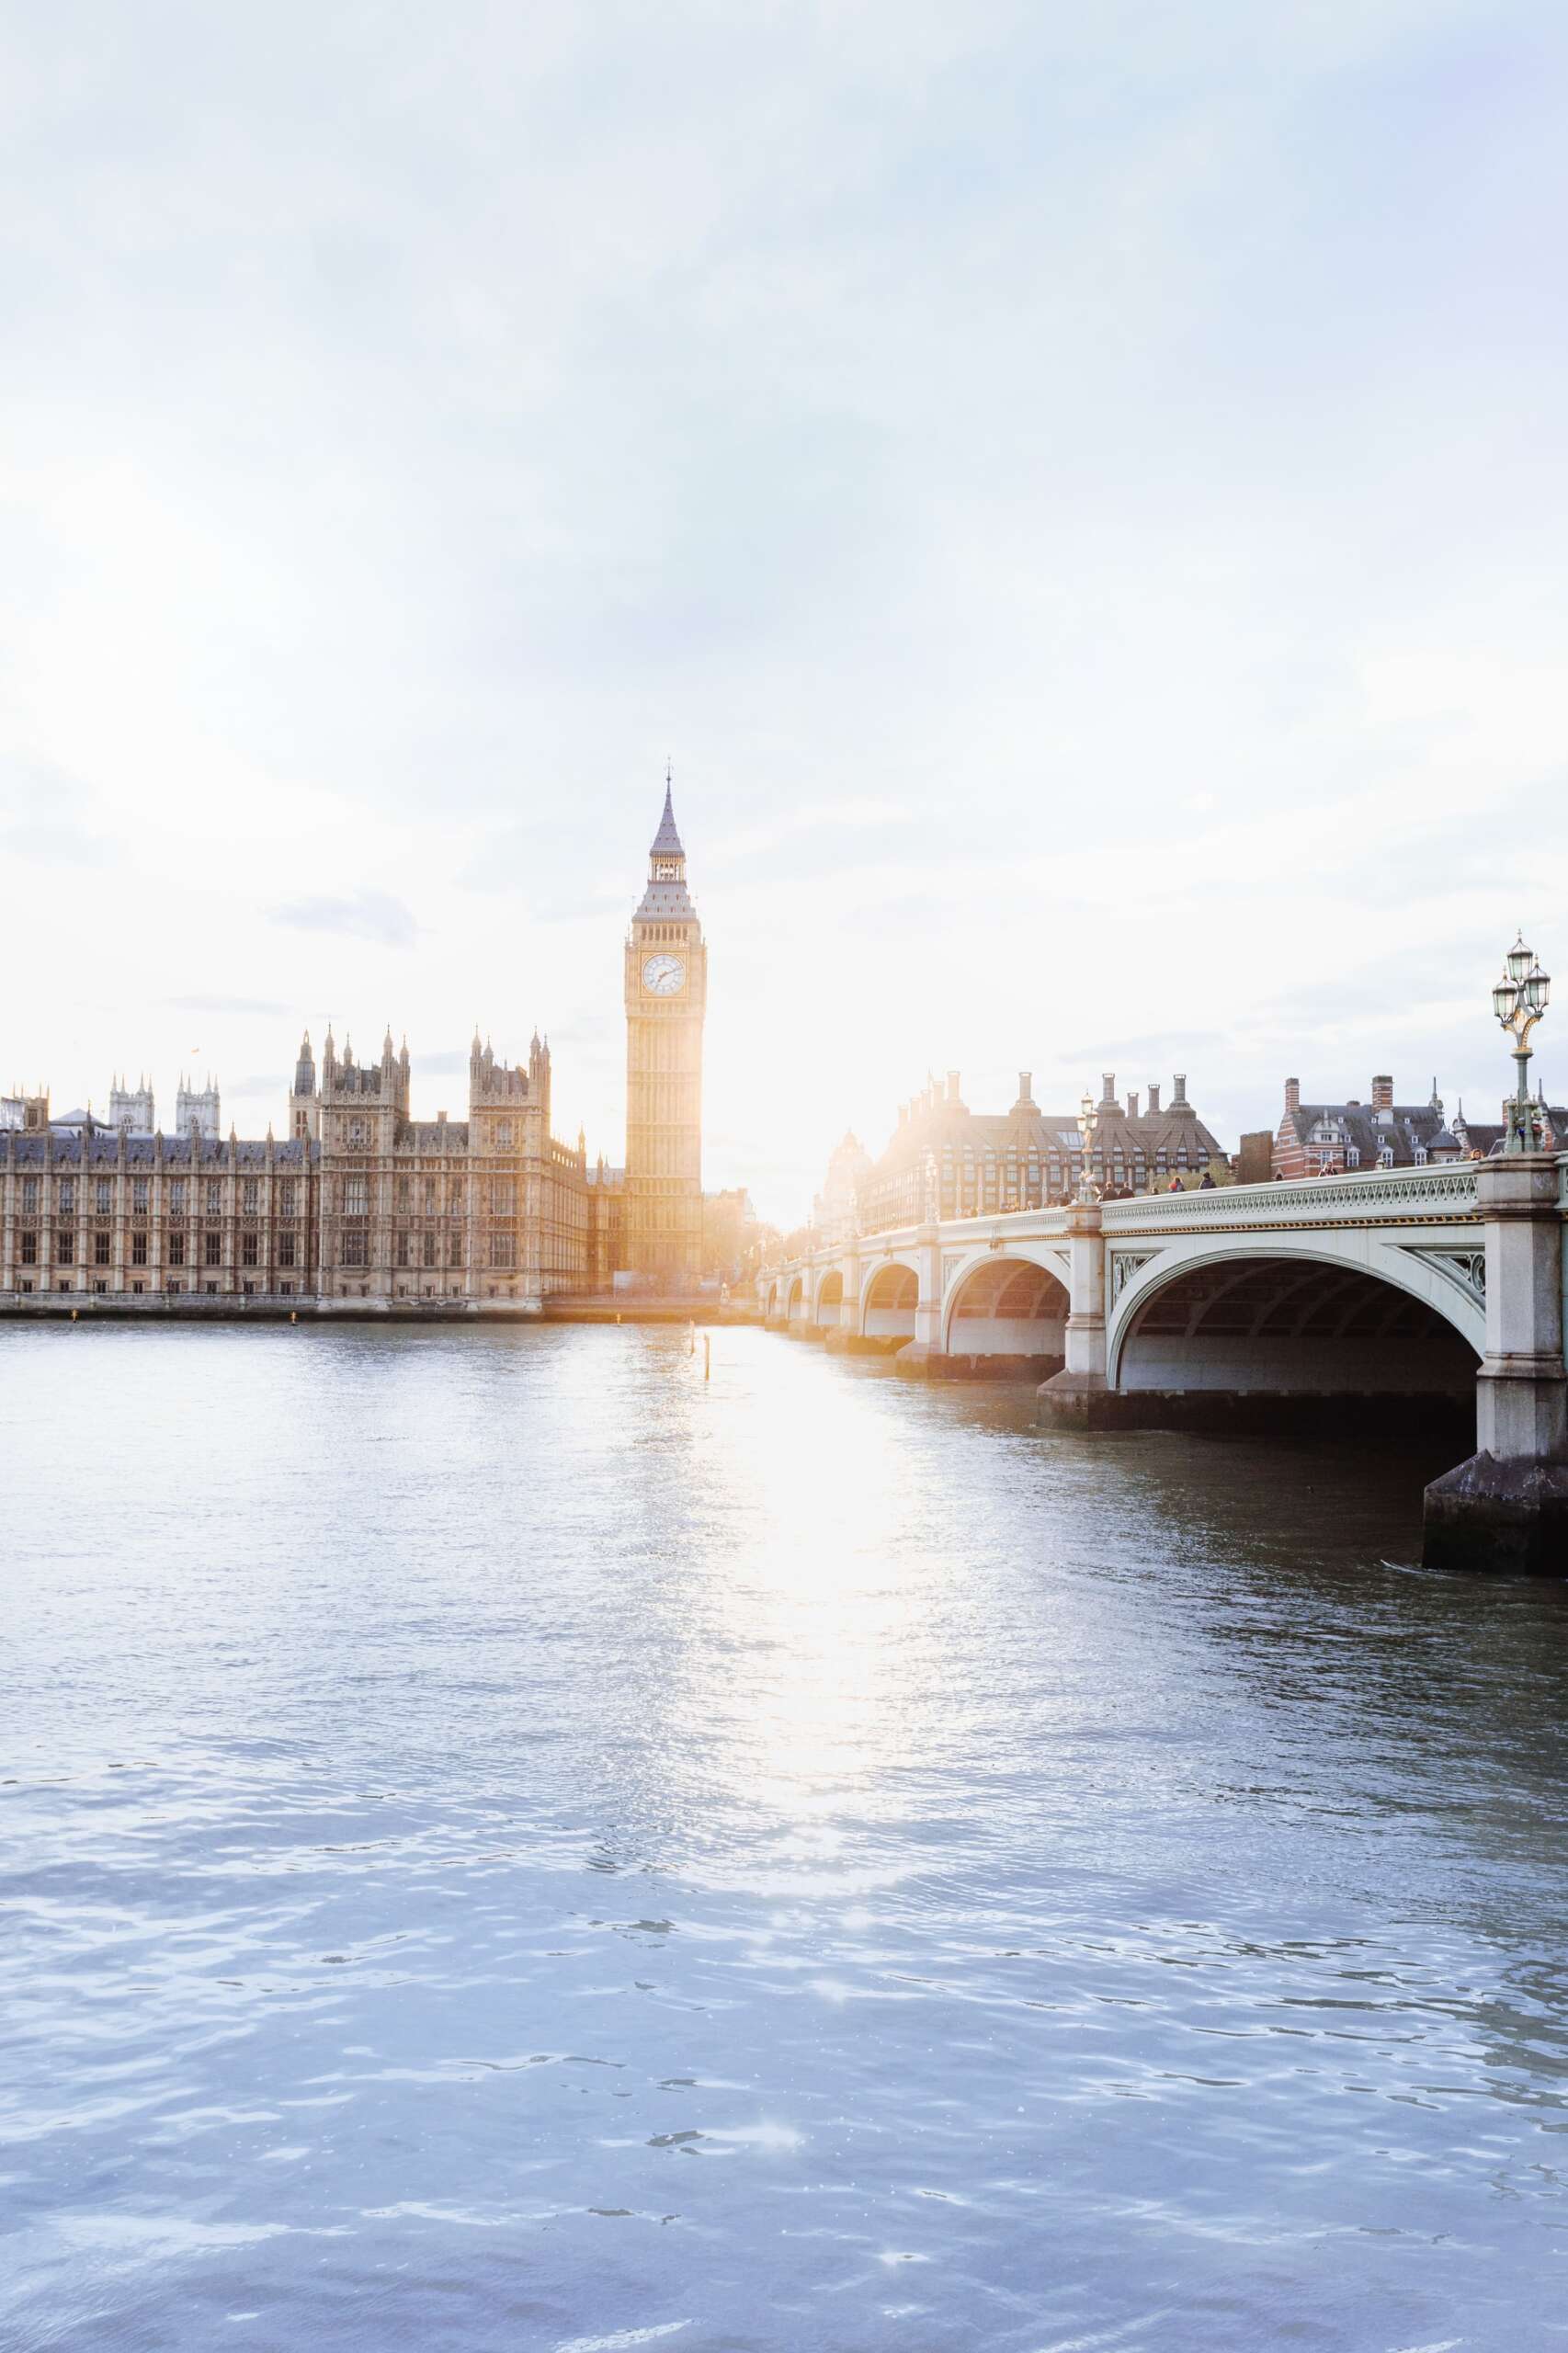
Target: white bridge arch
[1136,1280]
[1009,1300]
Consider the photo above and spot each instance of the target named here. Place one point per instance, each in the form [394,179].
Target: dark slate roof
[666,841]
[100,1149]
[1404,1126]
[660,899]
[434,1135]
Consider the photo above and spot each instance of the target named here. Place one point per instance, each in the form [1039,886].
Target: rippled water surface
[507,1844]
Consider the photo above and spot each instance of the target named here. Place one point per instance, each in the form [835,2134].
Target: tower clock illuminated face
[664,975]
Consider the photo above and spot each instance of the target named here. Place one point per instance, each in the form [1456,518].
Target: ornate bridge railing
[1446,1195]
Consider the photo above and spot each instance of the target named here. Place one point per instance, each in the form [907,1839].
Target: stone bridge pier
[1506,1508]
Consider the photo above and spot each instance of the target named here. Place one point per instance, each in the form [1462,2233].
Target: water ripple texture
[505,1843]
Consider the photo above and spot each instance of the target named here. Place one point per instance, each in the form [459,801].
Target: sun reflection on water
[827,1610]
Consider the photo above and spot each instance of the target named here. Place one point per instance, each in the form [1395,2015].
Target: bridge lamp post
[1087,1188]
[1518,1000]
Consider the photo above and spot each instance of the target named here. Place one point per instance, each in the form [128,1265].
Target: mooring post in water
[691,1339]
[707,1355]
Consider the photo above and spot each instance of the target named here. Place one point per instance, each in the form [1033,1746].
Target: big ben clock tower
[667,993]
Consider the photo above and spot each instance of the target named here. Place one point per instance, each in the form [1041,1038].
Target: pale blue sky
[1079,493]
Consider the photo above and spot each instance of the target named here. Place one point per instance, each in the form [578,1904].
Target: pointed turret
[666,841]
[667,893]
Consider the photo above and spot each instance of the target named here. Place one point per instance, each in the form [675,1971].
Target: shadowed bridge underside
[1293,1326]
[1008,1307]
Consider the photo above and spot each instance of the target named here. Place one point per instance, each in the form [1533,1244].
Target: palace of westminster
[357,1202]
[358,1207]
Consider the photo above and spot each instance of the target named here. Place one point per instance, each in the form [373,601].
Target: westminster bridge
[1385,1297]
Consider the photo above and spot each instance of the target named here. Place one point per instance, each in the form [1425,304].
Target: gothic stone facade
[359,1204]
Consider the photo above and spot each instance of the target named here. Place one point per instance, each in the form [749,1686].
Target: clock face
[662,975]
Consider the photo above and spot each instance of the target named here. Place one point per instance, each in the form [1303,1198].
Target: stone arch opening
[891,1299]
[1296,1326]
[830,1296]
[1007,1307]
[795,1305]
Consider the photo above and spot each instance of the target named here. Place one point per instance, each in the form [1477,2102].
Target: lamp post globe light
[1518,1000]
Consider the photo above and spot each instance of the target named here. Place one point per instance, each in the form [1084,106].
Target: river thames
[508,1845]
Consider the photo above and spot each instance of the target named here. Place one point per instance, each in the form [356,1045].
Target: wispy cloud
[863,814]
[228,1005]
[369,915]
[56,845]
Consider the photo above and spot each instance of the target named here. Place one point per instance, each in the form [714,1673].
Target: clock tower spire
[666,995]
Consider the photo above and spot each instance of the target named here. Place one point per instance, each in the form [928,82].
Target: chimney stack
[1292,1095]
[1383,1093]
[1107,1088]
[1178,1092]
[1153,1099]
[1133,1106]
[952,1087]
[1025,1080]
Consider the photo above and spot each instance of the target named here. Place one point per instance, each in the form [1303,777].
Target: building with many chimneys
[946,1161]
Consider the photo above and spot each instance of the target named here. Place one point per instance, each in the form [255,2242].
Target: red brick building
[1329,1139]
